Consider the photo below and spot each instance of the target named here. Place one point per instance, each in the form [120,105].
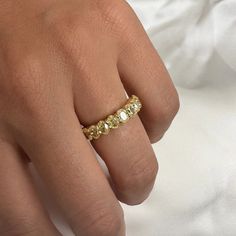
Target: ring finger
[126,151]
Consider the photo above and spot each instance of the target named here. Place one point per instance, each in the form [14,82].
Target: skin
[63,64]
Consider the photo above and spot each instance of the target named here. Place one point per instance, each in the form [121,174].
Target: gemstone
[122,115]
[87,134]
[129,110]
[103,127]
[139,104]
[94,132]
[134,108]
[112,121]
[135,100]
[135,105]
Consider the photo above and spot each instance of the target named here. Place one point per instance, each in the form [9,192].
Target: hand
[64,64]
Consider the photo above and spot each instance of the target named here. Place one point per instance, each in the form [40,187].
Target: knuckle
[26,77]
[67,26]
[173,102]
[31,86]
[116,15]
[136,185]
[63,22]
[112,17]
[27,80]
[60,21]
[107,224]
[104,221]
[163,113]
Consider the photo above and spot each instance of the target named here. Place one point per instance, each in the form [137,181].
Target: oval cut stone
[103,127]
[94,132]
[128,110]
[112,122]
[87,134]
[123,116]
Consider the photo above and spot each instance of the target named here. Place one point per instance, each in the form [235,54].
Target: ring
[121,116]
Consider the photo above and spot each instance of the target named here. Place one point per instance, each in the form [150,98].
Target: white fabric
[195,192]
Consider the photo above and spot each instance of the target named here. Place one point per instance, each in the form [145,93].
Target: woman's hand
[64,64]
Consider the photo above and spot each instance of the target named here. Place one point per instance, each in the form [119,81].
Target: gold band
[131,108]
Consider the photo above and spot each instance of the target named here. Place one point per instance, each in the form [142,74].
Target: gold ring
[121,116]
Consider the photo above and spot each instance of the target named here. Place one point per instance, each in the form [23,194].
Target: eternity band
[121,116]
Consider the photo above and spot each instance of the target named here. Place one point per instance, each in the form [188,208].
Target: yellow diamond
[134,98]
[103,127]
[122,115]
[139,104]
[94,132]
[128,109]
[112,122]
[134,108]
[87,134]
